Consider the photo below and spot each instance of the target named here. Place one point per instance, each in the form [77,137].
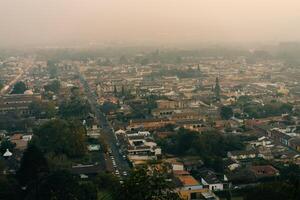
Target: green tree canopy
[6,144]
[19,88]
[109,183]
[148,184]
[61,185]
[226,112]
[52,68]
[74,108]
[209,146]
[42,109]
[61,137]
[274,191]
[53,86]
[9,188]
[33,166]
[268,109]
[108,107]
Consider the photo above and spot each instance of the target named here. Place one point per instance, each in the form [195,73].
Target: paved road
[121,166]
[7,88]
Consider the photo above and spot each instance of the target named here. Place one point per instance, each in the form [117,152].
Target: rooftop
[188,180]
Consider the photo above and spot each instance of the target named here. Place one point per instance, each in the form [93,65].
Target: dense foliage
[19,88]
[53,86]
[6,144]
[33,166]
[74,108]
[261,110]
[61,185]
[40,109]
[226,112]
[61,137]
[52,68]
[108,107]
[267,110]
[275,191]
[43,183]
[210,146]
[148,184]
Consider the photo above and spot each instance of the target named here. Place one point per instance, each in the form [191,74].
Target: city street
[119,166]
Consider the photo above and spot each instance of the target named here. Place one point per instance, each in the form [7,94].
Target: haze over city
[149,100]
[68,22]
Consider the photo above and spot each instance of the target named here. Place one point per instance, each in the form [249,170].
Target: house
[279,136]
[192,163]
[177,166]
[231,164]
[93,131]
[284,155]
[180,173]
[93,147]
[194,125]
[162,113]
[141,147]
[296,159]
[187,114]
[241,155]
[149,124]
[210,179]
[265,153]
[168,104]
[120,132]
[17,102]
[20,141]
[264,171]
[189,188]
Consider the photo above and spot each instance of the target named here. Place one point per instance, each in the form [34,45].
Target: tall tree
[33,166]
[217,90]
[60,185]
[19,88]
[115,90]
[41,109]
[52,68]
[109,183]
[123,90]
[148,184]
[61,137]
[226,112]
[54,87]
[76,107]
[9,188]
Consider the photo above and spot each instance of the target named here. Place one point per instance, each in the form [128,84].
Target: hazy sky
[35,22]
